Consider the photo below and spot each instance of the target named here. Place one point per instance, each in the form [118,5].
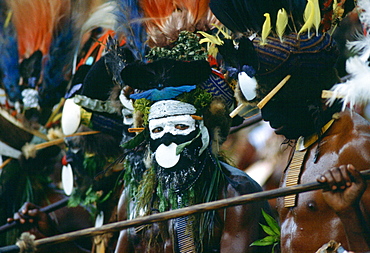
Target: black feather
[240,55]
[242,16]
[165,73]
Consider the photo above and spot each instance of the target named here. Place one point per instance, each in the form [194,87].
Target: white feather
[102,16]
[356,90]
[360,47]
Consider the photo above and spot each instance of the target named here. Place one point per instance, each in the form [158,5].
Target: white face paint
[176,125]
[127,110]
[128,118]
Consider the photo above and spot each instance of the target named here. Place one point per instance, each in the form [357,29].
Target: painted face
[167,134]
[175,136]
[176,125]
[127,110]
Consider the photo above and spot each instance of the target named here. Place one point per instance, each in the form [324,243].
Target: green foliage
[145,191]
[272,230]
[143,105]
[186,47]
[200,98]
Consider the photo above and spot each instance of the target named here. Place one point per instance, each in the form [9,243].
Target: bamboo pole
[272,93]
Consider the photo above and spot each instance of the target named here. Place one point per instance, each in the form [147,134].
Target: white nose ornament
[166,156]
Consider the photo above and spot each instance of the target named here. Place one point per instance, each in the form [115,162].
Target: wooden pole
[158,217]
[200,208]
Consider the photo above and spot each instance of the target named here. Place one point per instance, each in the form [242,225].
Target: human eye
[181,126]
[157,130]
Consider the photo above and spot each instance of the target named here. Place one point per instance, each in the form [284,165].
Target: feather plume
[102,16]
[199,16]
[57,66]
[266,29]
[356,90]
[317,16]
[129,18]
[82,10]
[281,23]
[35,22]
[166,19]
[360,46]
[9,68]
[309,17]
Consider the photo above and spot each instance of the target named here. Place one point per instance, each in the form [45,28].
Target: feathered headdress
[355,90]
[166,19]
[176,64]
[275,40]
[9,56]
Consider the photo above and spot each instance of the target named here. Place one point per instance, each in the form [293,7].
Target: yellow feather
[281,23]
[223,30]
[266,29]
[210,38]
[317,16]
[335,4]
[309,17]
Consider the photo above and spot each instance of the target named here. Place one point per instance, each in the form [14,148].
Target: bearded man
[176,167]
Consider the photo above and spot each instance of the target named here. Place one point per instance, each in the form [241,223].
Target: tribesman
[283,69]
[181,108]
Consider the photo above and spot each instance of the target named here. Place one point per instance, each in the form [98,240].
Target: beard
[185,173]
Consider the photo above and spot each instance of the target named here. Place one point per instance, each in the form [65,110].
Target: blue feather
[130,25]
[60,57]
[9,61]
[165,93]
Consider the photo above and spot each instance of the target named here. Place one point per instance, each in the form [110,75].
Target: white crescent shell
[67,179]
[71,117]
[247,85]
[99,221]
[166,155]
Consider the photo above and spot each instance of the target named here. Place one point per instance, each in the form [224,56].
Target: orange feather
[157,10]
[196,8]
[35,21]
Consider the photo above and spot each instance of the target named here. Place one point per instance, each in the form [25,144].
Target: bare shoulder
[349,122]
[349,138]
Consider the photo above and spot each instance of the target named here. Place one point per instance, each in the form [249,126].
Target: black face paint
[169,138]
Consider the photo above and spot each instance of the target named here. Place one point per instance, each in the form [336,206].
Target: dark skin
[233,235]
[235,228]
[316,219]
[60,221]
[346,189]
